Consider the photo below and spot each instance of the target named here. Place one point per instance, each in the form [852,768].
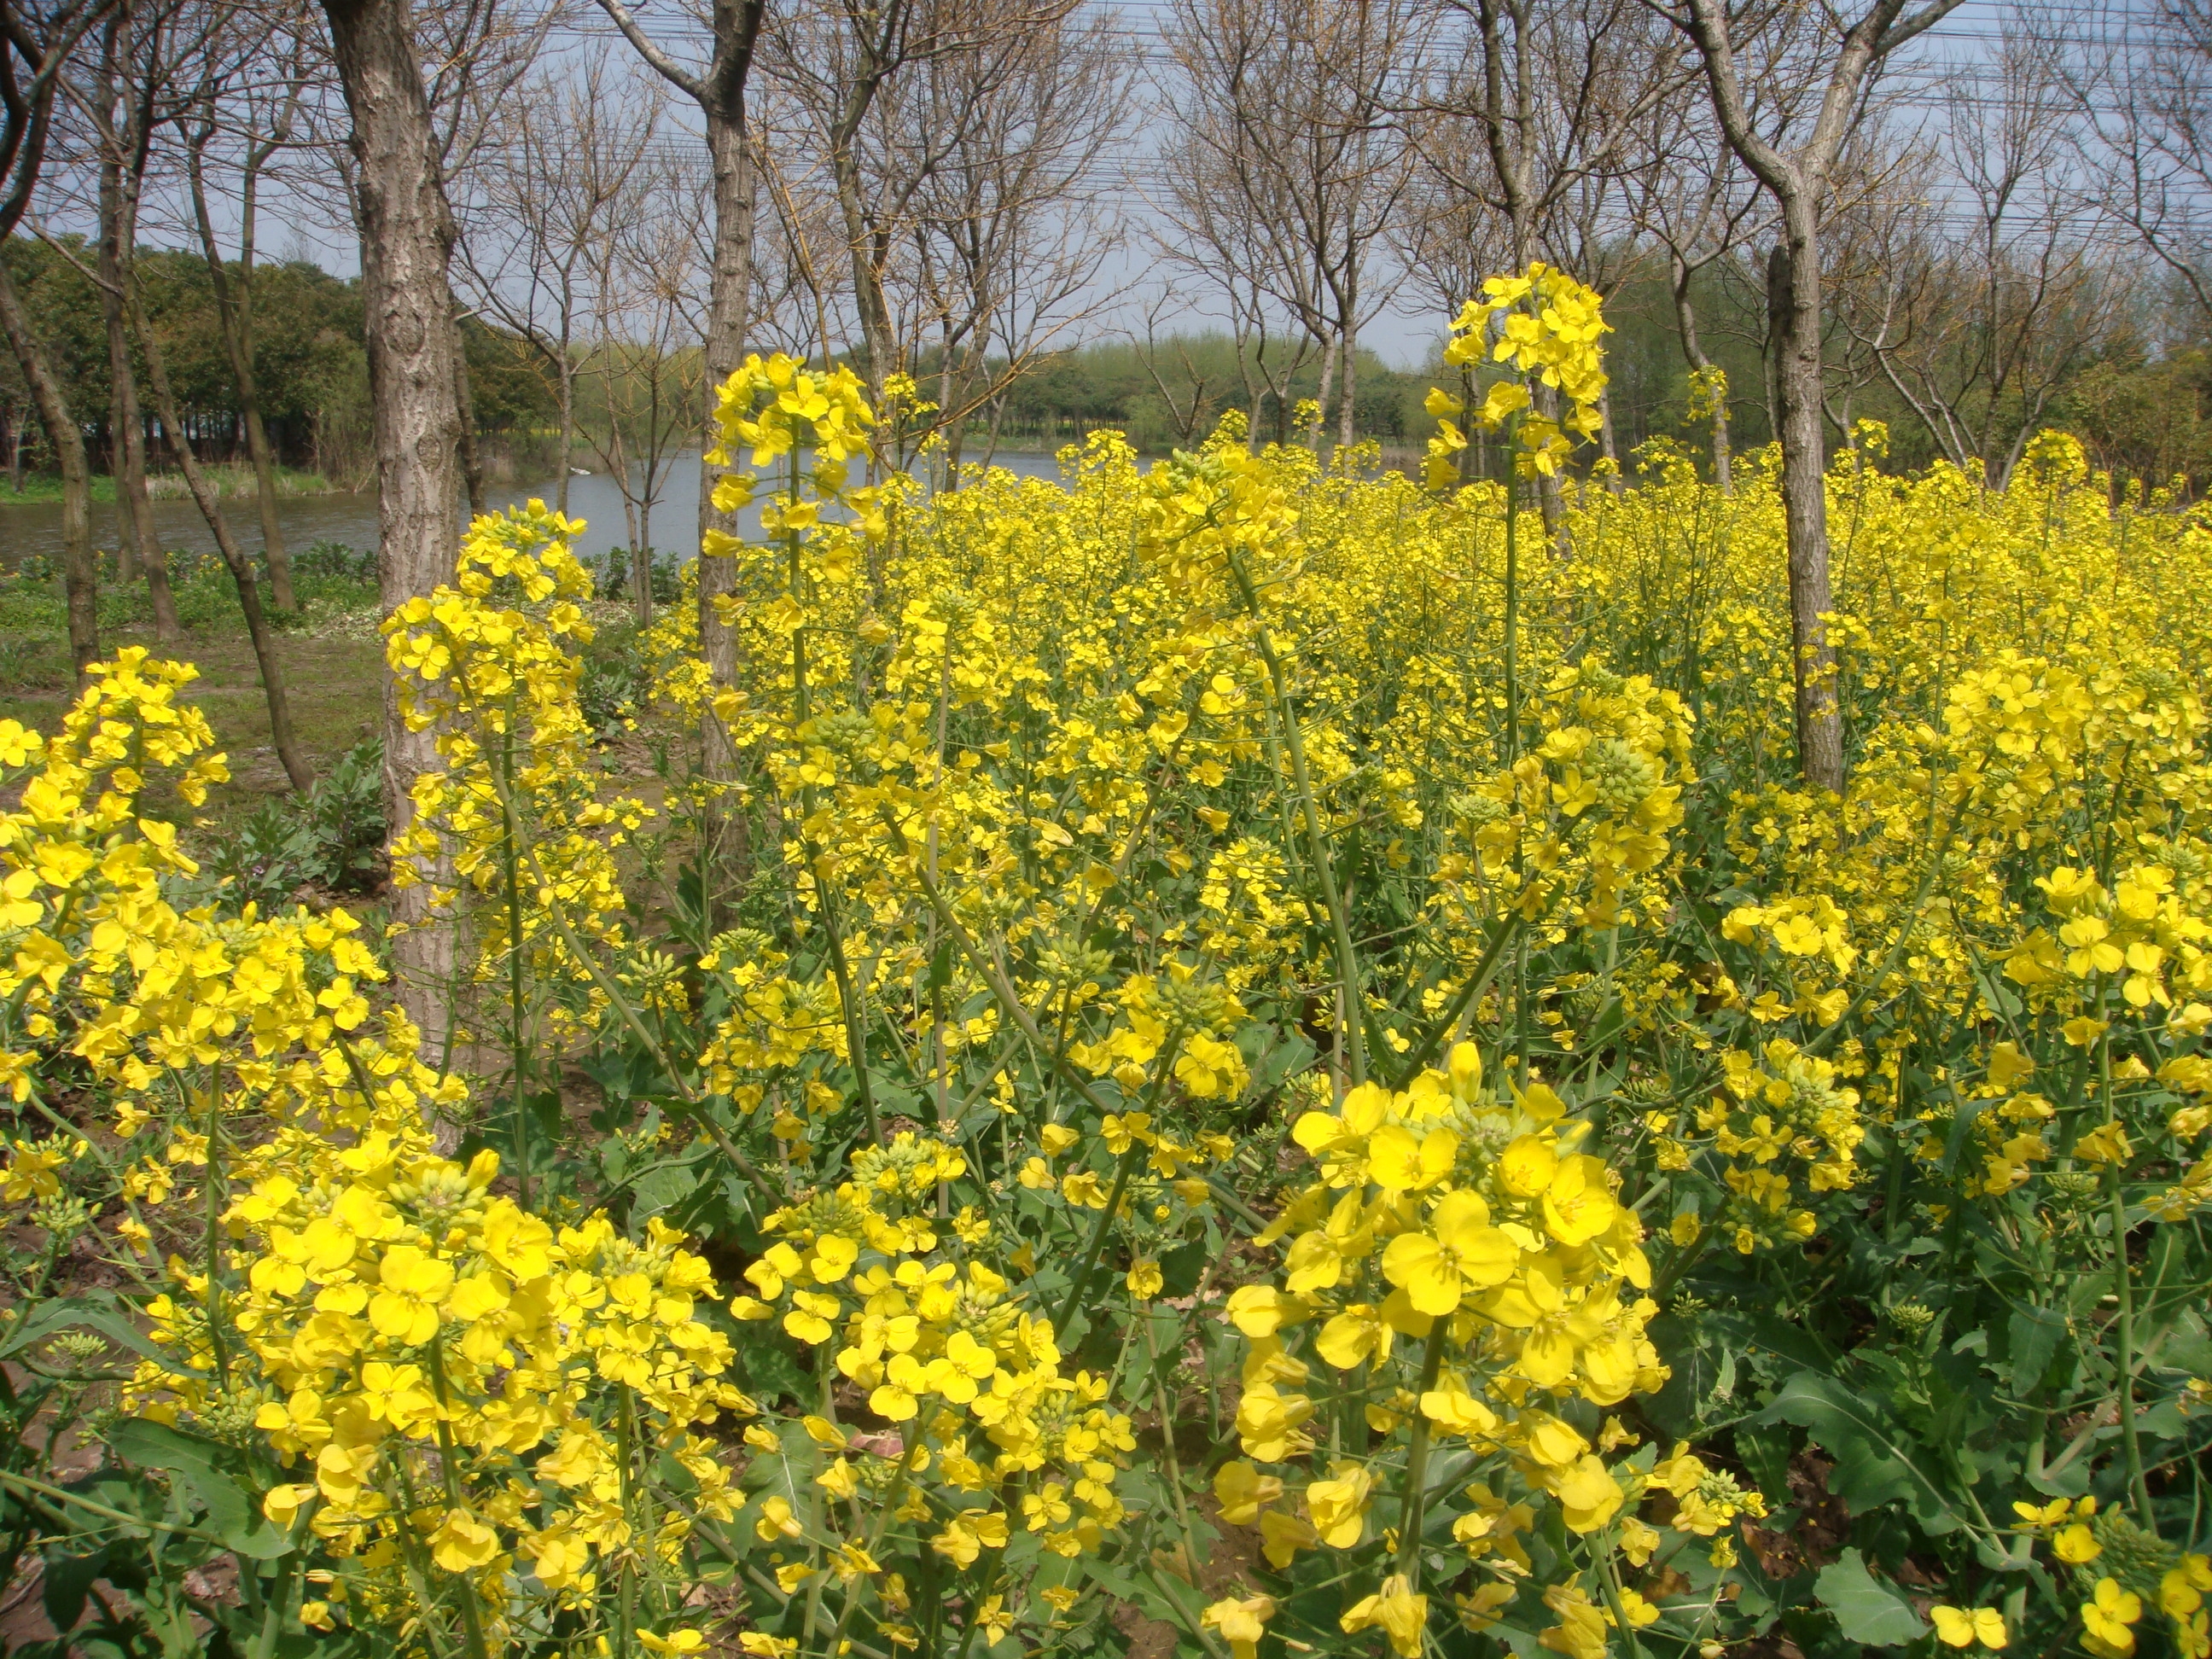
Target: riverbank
[233,481]
[32,529]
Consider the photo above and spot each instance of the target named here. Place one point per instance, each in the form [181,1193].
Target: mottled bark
[406,245]
[1793,288]
[1693,350]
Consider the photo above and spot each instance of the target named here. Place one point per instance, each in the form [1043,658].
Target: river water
[36,527]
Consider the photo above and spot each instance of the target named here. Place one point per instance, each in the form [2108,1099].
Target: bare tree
[1798,175]
[2140,80]
[1187,410]
[800,271]
[33,51]
[645,377]
[1537,99]
[120,98]
[718,89]
[1869,261]
[145,78]
[1223,235]
[478,54]
[537,234]
[1009,229]
[254,117]
[1988,303]
[1286,107]
[1448,238]
[242,574]
[831,63]
[1534,116]
[1697,204]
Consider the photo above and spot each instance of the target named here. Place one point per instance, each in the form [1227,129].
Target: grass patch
[332,653]
[332,657]
[232,480]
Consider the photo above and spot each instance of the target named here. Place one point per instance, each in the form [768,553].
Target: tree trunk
[406,245]
[134,512]
[466,405]
[130,482]
[234,310]
[870,306]
[79,570]
[1327,389]
[242,574]
[1347,420]
[1693,350]
[729,299]
[1792,285]
[565,450]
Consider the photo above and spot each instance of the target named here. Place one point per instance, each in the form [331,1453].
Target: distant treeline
[310,364]
[2143,414]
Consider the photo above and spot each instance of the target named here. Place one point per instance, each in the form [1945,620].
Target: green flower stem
[1414,1497]
[1513,716]
[1081,1282]
[214,1223]
[1822,1040]
[932,1604]
[100,1154]
[886,1510]
[856,1036]
[1162,1393]
[418,1572]
[1486,969]
[2130,1441]
[1609,1582]
[1512,591]
[511,870]
[1347,955]
[988,1588]
[626,1636]
[993,976]
[9,1477]
[630,1017]
[471,1622]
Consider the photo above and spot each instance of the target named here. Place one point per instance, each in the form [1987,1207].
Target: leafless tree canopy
[950,192]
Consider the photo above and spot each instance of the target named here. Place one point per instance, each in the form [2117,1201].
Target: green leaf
[1867,1611]
[660,1189]
[1180,1268]
[98,1312]
[2032,1334]
[1875,1462]
[219,1476]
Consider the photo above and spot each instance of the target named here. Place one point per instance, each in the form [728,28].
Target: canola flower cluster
[988,1441]
[460,1390]
[2122,1572]
[519,816]
[1544,328]
[1465,1257]
[415,1350]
